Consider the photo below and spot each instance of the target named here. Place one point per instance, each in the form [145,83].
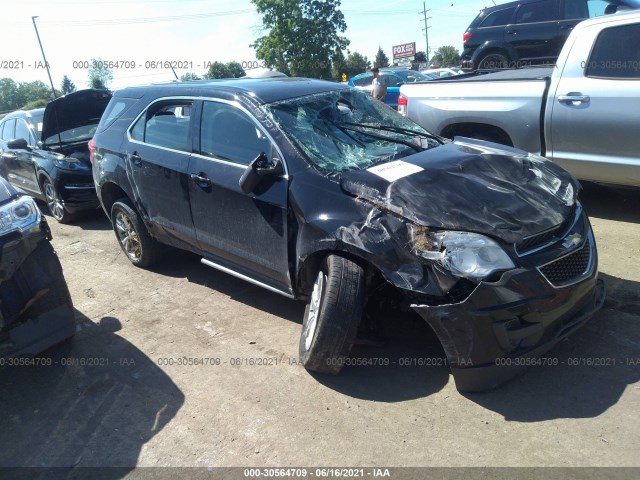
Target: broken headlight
[21,214]
[468,255]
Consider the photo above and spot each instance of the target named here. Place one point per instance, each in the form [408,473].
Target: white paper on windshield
[395,170]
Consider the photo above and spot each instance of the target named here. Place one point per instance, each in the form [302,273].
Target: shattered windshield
[348,130]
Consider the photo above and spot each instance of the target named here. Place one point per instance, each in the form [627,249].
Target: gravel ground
[113,399]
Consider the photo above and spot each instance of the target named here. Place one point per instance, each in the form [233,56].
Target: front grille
[541,239]
[570,268]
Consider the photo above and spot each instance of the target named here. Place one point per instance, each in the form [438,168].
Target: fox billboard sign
[404,50]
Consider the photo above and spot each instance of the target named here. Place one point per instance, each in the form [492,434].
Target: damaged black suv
[318,192]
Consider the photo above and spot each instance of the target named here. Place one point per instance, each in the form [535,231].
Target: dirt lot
[112,401]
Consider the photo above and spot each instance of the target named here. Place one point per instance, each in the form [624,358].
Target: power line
[170,18]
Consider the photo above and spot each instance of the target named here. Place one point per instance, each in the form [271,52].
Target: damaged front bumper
[501,326]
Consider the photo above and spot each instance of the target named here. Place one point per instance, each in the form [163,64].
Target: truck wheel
[134,238]
[55,203]
[332,316]
[493,60]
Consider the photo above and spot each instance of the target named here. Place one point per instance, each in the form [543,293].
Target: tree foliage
[189,76]
[14,96]
[99,74]
[446,56]
[338,64]
[381,59]
[222,70]
[67,86]
[420,57]
[35,104]
[303,35]
[356,63]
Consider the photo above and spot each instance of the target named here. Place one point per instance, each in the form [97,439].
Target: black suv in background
[526,32]
[44,152]
[318,192]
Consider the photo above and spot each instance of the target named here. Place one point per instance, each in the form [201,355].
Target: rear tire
[132,234]
[332,315]
[492,61]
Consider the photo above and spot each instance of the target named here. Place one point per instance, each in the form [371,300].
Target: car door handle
[135,159]
[511,32]
[567,27]
[9,155]
[574,99]
[201,179]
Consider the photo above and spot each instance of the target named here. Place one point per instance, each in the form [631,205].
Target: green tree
[99,74]
[303,35]
[381,59]
[35,104]
[67,86]
[9,95]
[446,56]
[32,91]
[224,70]
[189,76]
[420,57]
[235,70]
[338,64]
[356,63]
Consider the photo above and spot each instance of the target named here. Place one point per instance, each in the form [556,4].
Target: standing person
[378,85]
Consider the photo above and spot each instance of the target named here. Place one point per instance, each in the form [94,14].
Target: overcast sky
[193,32]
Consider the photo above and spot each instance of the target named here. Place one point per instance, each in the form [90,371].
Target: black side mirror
[18,144]
[259,168]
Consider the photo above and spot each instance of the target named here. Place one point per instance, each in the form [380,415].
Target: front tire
[332,315]
[54,202]
[133,237]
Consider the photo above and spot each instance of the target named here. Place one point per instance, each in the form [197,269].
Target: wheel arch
[110,193]
[481,131]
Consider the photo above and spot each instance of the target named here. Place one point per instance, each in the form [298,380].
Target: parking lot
[182,365]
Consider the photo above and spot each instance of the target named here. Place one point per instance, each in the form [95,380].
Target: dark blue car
[395,79]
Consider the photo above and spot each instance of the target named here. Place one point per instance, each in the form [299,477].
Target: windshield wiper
[390,128]
[417,148]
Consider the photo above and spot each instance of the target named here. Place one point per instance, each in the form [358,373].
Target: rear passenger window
[544,11]
[7,129]
[165,125]
[391,80]
[228,133]
[575,9]
[363,82]
[616,54]
[498,18]
[115,108]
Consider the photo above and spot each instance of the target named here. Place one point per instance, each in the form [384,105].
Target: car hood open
[73,110]
[470,185]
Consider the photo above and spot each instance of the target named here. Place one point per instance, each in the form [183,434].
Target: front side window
[228,133]
[346,129]
[165,124]
[616,54]
[22,131]
[544,11]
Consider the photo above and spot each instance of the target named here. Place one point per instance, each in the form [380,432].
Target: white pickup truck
[583,113]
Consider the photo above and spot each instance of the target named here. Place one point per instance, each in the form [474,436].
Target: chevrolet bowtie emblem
[572,240]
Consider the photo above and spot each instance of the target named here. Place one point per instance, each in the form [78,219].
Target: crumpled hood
[73,110]
[473,186]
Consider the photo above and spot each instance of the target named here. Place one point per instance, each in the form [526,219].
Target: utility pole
[33,19]
[426,28]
